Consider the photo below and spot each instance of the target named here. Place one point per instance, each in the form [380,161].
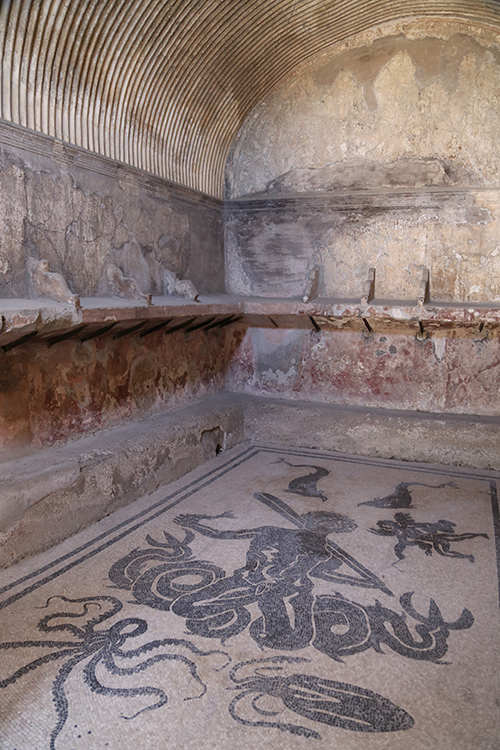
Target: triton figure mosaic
[278,586]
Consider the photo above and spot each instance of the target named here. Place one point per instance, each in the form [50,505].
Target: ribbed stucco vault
[164,85]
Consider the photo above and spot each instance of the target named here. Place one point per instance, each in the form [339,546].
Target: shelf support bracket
[369,288]
[424,289]
[312,284]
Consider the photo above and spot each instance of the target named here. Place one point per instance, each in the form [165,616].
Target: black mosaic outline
[219,472]
[401,497]
[337,704]
[79,644]
[289,689]
[496,525]
[99,648]
[429,537]
[52,564]
[419,467]
[217,605]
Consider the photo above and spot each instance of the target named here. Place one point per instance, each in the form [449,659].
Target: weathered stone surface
[81,212]
[118,285]
[407,109]
[27,481]
[43,283]
[410,436]
[270,245]
[44,318]
[182,288]
[383,155]
[101,366]
[86,480]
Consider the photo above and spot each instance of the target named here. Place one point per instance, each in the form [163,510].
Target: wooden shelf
[26,320]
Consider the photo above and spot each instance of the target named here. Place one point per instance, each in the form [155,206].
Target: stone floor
[275,598]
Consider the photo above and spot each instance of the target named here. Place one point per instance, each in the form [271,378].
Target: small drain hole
[213,442]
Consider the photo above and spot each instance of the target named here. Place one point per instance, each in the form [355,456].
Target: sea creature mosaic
[291,586]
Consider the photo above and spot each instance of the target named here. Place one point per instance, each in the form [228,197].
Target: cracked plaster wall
[81,211]
[383,153]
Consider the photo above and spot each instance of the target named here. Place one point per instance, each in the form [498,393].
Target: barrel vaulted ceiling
[164,85]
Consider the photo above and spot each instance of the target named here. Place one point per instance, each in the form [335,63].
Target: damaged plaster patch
[432,57]
[382,103]
[278,377]
[237,279]
[276,260]
[439,347]
[384,156]
[142,266]
[399,242]
[80,220]
[369,174]
[278,355]
[214,441]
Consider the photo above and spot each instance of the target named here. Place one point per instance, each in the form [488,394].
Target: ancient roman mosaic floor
[273,598]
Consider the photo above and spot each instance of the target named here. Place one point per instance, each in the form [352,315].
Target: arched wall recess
[165,86]
[383,154]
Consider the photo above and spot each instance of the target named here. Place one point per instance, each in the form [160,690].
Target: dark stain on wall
[271,241]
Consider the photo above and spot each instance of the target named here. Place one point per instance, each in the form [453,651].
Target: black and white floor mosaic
[274,597]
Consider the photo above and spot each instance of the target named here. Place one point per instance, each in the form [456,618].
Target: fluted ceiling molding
[164,85]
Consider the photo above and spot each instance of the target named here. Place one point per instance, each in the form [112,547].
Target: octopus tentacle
[114,669]
[116,606]
[33,665]
[60,699]
[262,662]
[97,687]
[292,728]
[171,642]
